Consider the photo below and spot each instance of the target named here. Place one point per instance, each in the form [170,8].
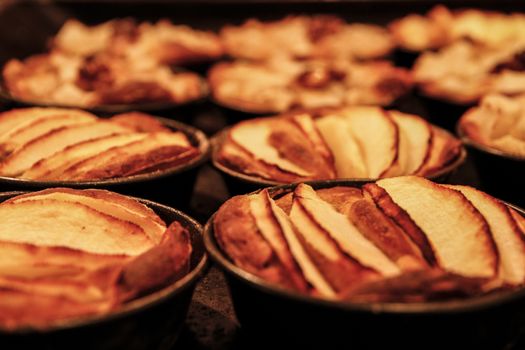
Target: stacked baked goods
[281,84]
[306,37]
[114,63]
[477,52]
[349,142]
[442,26]
[57,144]
[306,62]
[497,123]
[403,239]
[69,254]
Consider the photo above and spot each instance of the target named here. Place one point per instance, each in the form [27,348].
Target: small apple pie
[403,239]
[282,84]
[54,144]
[69,254]
[306,37]
[56,78]
[161,42]
[498,122]
[351,142]
[465,71]
[441,27]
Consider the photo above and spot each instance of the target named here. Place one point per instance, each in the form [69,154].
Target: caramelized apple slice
[77,226]
[51,168]
[237,234]
[415,136]
[254,137]
[377,136]
[307,125]
[17,119]
[140,122]
[310,271]
[120,207]
[158,267]
[12,140]
[520,220]
[401,218]
[338,269]
[458,233]
[270,228]
[443,150]
[386,235]
[109,163]
[54,141]
[343,233]
[506,233]
[349,162]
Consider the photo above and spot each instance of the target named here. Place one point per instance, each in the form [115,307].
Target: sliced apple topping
[458,233]
[69,253]
[254,137]
[343,232]
[506,233]
[107,203]
[415,136]
[349,162]
[360,142]
[403,239]
[272,231]
[377,136]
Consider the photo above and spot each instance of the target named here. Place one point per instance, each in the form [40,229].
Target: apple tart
[282,84]
[499,123]
[161,42]
[68,254]
[351,142]
[56,144]
[441,27]
[402,239]
[465,71]
[306,37]
[56,78]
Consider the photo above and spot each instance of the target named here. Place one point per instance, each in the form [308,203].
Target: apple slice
[76,226]
[254,137]
[15,139]
[520,220]
[307,124]
[337,268]
[415,136]
[384,202]
[17,119]
[506,233]
[458,233]
[237,234]
[52,167]
[342,232]
[120,207]
[386,235]
[310,271]
[271,229]
[109,163]
[377,136]
[349,162]
[54,141]
[443,150]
